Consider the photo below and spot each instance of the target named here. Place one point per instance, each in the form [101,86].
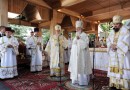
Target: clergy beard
[116,29]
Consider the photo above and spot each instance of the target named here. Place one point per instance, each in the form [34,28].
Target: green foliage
[105,27]
[73,35]
[45,35]
[91,36]
[21,32]
[124,22]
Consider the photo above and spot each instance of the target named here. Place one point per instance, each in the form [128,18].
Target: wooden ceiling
[89,10]
[98,10]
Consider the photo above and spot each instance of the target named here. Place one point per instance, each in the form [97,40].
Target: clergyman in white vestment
[69,46]
[35,47]
[9,50]
[2,33]
[80,64]
[28,51]
[118,50]
[55,48]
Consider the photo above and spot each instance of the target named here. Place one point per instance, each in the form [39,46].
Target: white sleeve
[83,42]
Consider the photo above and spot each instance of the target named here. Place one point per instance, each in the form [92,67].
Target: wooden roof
[101,9]
[88,10]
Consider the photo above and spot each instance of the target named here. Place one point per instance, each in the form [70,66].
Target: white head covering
[127,24]
[79,23]
[57,27]
[117,19]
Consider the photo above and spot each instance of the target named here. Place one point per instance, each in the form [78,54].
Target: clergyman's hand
[10,46]
[114,47]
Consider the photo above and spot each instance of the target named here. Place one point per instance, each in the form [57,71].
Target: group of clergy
[9,50]
[80,67]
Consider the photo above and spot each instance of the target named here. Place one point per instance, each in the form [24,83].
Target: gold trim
[9,67]
[125,43]
[118,83]
[119,69]
[121,50]
[98,49]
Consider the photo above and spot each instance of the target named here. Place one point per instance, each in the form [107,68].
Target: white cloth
[82,79]
[101,60]
[120,58]
[8,67]
[35,52]
[80,62]
[69,48]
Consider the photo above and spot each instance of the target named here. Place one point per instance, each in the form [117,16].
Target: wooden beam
[44,24]
[126,6]
[108,15]
[72,13]
[55,4]
[70,2]
[16,6]
[44,13]
[88,13]
[106,20]
[70,29]
[17,22]
[108,9]
[36,21]
[109,12]
[92,32]
[69,12]
[40,2]
[4,12]
[53,21]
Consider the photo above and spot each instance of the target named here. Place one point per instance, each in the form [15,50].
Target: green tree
[20,31]
[105,27]
[45,35]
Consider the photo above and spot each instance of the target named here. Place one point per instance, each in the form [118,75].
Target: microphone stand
[93,77]
[60,85]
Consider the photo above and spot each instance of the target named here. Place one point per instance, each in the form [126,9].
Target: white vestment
[119,62]
[8,67]
[35,52]
[56,55]
[80,64]
[69,48]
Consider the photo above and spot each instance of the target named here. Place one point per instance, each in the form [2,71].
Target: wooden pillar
[95,28]
[40,31]
[53,22]
[56,19]
[4,12]
[73,20]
